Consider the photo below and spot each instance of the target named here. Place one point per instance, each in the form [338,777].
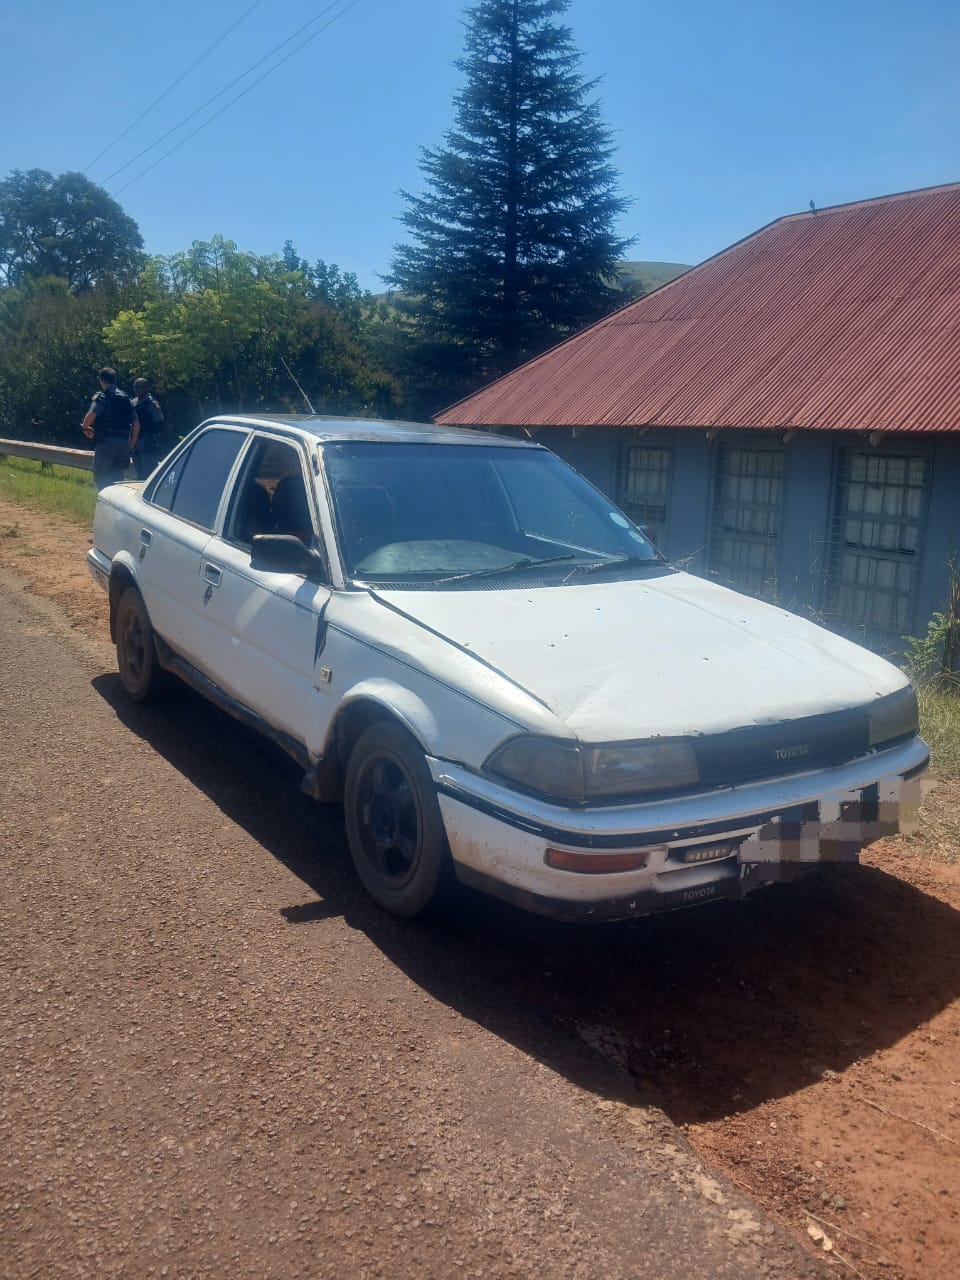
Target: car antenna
[298,386]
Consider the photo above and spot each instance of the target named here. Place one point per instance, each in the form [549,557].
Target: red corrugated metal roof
[844,319]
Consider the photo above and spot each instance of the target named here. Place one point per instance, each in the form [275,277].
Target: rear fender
[124,573]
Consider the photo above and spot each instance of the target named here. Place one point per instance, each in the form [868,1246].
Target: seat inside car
[253,513]
[289,509]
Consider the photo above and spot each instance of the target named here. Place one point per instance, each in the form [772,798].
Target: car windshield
[450,514]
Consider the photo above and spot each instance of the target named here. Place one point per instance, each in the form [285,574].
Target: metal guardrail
[47,454]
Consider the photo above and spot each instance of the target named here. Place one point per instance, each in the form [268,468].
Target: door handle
[212,574]
[146,537]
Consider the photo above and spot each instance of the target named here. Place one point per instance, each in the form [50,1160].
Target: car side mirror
[283,553]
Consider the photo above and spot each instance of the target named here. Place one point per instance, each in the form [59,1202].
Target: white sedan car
[495,670]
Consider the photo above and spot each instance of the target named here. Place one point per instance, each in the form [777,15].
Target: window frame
[836,545]
[182,455]
[295,444]
[302,448]
[756,444]
[621,497]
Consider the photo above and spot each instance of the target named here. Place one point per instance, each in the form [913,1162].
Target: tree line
[510,246]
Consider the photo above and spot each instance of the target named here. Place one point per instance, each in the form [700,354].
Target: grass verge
[64,491]
[940,726]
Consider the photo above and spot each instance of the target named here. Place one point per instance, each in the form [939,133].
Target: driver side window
[270,496]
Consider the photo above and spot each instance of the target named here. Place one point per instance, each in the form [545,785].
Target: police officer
[112,426]
[149,446]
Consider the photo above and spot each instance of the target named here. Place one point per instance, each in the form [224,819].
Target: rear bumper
[99,567]
[774,830]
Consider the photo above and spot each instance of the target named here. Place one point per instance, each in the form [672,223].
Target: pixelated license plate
[836,827]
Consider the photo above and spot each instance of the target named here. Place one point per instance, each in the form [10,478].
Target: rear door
[180,513]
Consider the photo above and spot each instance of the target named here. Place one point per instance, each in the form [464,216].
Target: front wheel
[141,675]
[394,828]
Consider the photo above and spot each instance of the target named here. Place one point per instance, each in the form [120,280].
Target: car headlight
[540,764]
[634,768]
[566,771]
[894,717]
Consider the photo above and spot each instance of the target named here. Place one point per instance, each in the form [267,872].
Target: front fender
[366,701]
[448,723]
[402,704]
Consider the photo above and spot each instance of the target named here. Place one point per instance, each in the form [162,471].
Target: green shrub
[934,658]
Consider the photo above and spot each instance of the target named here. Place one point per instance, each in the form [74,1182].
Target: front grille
[791,746]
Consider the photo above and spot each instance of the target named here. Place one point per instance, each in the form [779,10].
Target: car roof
[328,428]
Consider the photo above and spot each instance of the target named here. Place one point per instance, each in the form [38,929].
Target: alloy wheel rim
[389,820]
[134,647]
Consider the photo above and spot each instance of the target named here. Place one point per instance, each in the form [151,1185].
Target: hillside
[637,277]
[643,277]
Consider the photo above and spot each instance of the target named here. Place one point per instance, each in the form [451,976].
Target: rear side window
[193,486]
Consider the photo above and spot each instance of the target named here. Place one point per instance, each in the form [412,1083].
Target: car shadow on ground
[711,1010]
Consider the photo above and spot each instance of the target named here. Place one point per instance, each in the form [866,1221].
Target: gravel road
[218,1059]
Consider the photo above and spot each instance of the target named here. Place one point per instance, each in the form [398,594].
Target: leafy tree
[205,315]
[217,323]
[51,346]
[327,283]
[65,227]
[512,245]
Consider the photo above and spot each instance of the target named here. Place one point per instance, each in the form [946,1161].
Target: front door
[266,631]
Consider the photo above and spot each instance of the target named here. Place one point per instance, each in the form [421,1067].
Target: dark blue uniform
[111,436]
[151,441]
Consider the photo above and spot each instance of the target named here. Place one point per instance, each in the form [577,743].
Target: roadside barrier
[47,454]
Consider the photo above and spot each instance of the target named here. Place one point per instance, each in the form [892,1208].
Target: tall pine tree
[512,245]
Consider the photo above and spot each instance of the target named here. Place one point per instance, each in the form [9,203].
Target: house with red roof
[785,417]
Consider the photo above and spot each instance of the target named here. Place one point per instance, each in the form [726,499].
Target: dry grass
[940,725]
[938,837]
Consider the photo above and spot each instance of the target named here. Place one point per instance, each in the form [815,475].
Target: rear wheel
[141,675]
[394,828]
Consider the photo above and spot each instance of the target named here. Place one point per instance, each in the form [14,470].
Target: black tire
[141,675]
[394,828]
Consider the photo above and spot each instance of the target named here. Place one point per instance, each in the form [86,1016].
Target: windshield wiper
[603,566]
[515,567]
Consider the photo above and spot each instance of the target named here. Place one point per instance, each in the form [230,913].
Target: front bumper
[775,828]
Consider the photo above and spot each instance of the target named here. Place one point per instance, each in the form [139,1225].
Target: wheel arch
[122,575]
[362,707]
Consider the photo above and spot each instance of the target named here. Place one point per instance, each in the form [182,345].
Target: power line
[170,87]
[243,92]
[219,94]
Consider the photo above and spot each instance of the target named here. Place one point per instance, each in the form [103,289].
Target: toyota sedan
[496,672]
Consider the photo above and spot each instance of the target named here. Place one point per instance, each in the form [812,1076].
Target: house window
[745,526]
[643,486]
[876,540]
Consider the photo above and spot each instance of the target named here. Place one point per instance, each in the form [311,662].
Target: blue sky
[725,114]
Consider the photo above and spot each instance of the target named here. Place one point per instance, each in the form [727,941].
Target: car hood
[670,656]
